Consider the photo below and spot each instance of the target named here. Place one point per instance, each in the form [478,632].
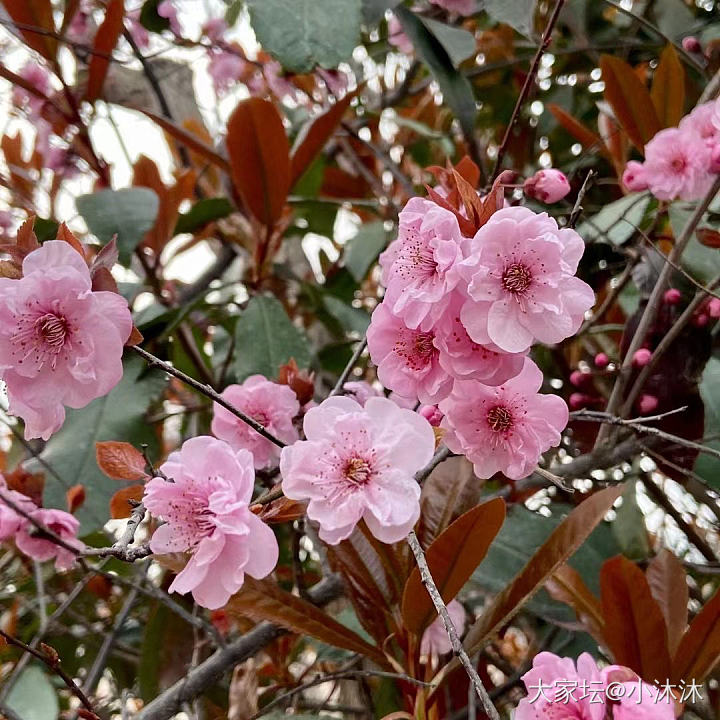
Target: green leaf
[150,19]
[201,213]
[362,250]
[702,262]
[706,466]
[456,88]
[458,43]
[233,12]
[129,213]
[305,33]
[351,318]
[629,526]
[617,221]
[45,229]
[33,696]
[265,339]
[71,451]
[374,10]
[518,14]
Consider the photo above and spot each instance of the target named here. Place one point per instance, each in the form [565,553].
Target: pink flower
[408,361]
[522,285]
[699,122]
[359,463]
[272,405]
[225,69]
[676,165]
[167,10]
[10,521]
[435,640]
[503,429]
[206,512]
[635,699]
[39,78]
[335,80]
[61,343]
[547,186]
[417,266]
[635,177]
[467,360]
[138,31]
[276,80]
[215,29]
[360,391]
[397,36]
[40,549]
[461,7]
[714,308]
[546,697]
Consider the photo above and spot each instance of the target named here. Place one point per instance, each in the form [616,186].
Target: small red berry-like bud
[578,401]
[601,360]
[672,296]
[641,358]
[647,404]
[691,44]
[700,320]
[578,378]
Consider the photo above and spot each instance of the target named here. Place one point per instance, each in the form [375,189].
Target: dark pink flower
[215,29]
[397,36]
[206,512]
[35,546]
[225,69]
[547,186]
[635,177]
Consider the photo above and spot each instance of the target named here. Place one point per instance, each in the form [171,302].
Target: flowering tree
[382,381]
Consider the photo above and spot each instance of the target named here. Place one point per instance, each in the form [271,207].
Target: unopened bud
[641,358]
[547,186]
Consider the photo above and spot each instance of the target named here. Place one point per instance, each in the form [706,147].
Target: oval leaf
[120,460]
[105,42]
[668,88]
[668,585]
[260,158]
[451,558]
[699,650]
[630,100]
[120,505]
[32,14]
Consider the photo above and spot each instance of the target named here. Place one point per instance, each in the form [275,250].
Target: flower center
[516,278]
[53,330]
[678,164]
[499,418]
[424,344]
[357,471]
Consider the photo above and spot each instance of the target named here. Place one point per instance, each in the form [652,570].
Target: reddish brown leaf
[260,158]
[467,169]
[101,586]
[120,505]
[451,558]
[302,382]
[31,15]
[472,203]
[75,497]
[635,629]
[668,585]
[106,39]
[264,600]
[280,511]
[26,483]
[699,649]
[64,233]
[312,137]
[566,585]
[26,239]
[564,540]
[668,88]
[120,460]
[584,135]
[495,199]
[467,227]
[630,100]
[135,338]
[708,237]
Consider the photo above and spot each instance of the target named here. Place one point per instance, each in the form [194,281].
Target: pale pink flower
[41,549]
[225,69]
[397,36]
[81,27]
[138,31]
[635,177]
[360,391]
[61,343]
[467,360]
[417,266]
[521,281]
[206,512]
[275,78]
[359,463]
[503,429]
[546,698]
[166,9]
[215,29]
[700,122]
[39,78]
[461,7]
[435,640]
[408,361]
[10,521]
[272,405]
[547,186]
[676,165]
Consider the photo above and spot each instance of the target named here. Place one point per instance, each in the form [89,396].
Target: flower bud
[714,308]
[641,358]
[547,186]
[432,414]
[672,296]
[601,360]
[577,401]
[634,177]
[691,44]
[647,404]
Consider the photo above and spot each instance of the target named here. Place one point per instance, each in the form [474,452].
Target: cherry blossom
[61,343]
[435,640]
[359,463]
[62,524]
[205,506]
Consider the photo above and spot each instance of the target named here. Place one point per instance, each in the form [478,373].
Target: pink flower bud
[577,401]
[432,414]
[647,404]
[672,296]
[700,320]
[601,360]
[547,186]
[634,177]
[691,44]
[578,378]
[641,358]
[714,308]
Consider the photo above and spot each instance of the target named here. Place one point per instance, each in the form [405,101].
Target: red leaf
[586,137]
[699,650]
[281,511]
[451,558]
[668,88]
[120,460]
[260,158]
[75,497]
[312,138]
[106,39]
[668,585]
[33,15]
[136,337]
[708,237]
[64,233]
[120,505]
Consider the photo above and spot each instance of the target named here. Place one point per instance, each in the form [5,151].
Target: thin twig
[450,629]
[337,390]
[577,207]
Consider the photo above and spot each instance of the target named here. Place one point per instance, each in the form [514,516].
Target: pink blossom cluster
[61,342]
[682,162]
[557,687]
[459,317]
[27,536]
